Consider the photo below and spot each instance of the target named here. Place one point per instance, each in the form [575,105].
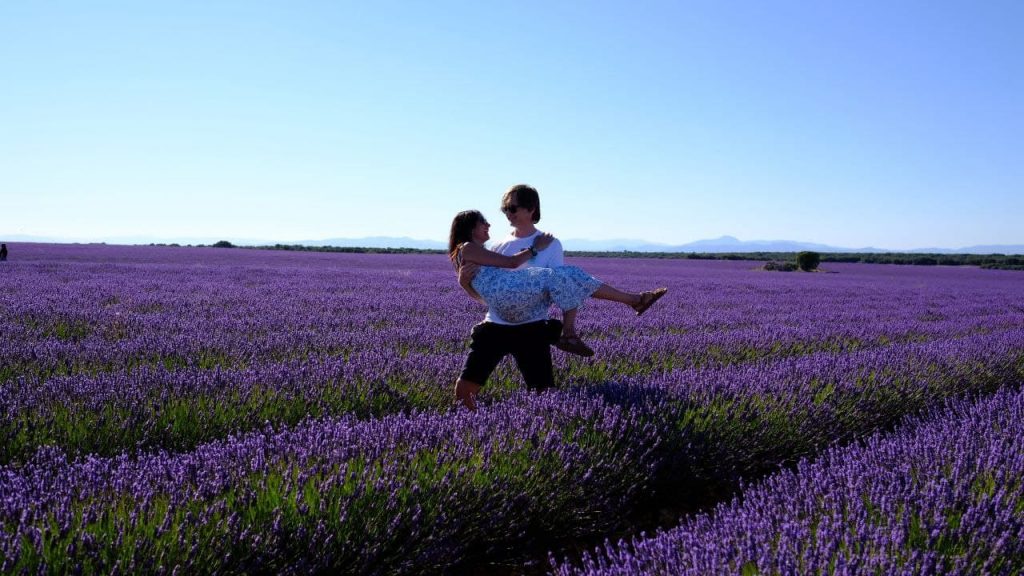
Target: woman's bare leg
[570,342]
[606,292]
[639,302]
[569,322]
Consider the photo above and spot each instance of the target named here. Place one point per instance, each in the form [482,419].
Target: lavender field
[200,410]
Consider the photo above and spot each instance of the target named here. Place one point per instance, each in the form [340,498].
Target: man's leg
[487,347]
[532,352]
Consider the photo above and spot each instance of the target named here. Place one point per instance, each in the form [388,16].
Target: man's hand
[466,275]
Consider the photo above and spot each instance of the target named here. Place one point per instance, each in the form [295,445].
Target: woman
[517,293]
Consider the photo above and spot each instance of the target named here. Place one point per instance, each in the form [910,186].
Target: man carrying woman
[518,301]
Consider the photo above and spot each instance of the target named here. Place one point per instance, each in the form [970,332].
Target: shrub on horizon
[807,260]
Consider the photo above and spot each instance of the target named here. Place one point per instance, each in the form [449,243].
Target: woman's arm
[466,274]
[477,254]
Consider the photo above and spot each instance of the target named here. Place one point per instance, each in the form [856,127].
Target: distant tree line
[1015,262]
[344,249]
[1003,261]
[992,261]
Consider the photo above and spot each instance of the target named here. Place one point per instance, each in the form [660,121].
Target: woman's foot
[572,344]
[647,299]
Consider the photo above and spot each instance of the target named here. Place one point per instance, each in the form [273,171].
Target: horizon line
[636,245]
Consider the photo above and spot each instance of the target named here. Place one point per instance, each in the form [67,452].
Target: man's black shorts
[530,345]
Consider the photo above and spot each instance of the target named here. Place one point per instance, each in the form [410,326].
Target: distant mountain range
[733,244]
[721,244]
[714,245]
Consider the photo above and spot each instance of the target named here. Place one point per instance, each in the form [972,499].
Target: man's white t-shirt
[547,258]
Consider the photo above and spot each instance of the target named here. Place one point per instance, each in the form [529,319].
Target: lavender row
[64,318]
[82,310]
[770,387]
[721,425]
[943,495]
[67,507]
[715,423]
[752,416]
[177,409]
[729,316]
[402,494]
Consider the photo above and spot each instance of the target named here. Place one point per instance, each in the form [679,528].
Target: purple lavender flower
[942,495]
[186,407]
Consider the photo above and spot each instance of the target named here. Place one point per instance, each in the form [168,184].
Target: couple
[517,319]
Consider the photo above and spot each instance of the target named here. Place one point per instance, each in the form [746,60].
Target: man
[529,342]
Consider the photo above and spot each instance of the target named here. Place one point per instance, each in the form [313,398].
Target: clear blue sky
[879,123]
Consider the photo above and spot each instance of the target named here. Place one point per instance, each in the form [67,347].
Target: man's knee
[465,392]
[486,350]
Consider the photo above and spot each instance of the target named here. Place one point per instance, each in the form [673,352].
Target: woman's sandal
[647,299]
[573,345]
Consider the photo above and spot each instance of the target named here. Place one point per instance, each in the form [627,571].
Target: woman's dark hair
[462,229]
[524,196]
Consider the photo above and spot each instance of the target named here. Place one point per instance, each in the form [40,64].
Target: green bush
[776,266]
[808,261]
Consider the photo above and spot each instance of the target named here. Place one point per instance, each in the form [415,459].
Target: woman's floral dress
[524,293]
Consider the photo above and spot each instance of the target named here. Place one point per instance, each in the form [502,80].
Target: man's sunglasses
[510,209]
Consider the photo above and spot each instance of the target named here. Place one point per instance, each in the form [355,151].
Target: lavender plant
[109,349]
[942,495]
[409,494]
[248,410]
